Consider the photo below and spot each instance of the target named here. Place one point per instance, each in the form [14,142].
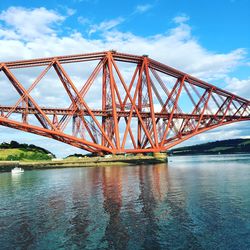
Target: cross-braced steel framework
[137,104]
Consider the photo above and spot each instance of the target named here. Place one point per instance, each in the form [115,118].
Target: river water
[200,202]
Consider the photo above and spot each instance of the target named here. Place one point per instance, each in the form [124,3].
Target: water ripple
[192,203]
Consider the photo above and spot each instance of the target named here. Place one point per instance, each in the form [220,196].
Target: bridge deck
[108,113]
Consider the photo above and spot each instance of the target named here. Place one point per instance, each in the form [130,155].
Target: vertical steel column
[139,125]
[151,102]
[112,87]
[104,100]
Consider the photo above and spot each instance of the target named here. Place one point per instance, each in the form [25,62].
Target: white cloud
[105,25]
[143,8]
[179,49]
[30,23]
[181,19]
[70,12]
[220,135]
[240,87]
[83,20]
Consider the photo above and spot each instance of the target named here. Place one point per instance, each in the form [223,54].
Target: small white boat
[17,170]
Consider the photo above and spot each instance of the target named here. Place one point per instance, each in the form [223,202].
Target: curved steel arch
[141,103]
[95,148]
[170,145]
[80,143]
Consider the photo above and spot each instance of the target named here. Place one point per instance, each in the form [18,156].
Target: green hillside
[15,151]
[232,146]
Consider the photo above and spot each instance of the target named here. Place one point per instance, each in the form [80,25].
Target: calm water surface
[200,202]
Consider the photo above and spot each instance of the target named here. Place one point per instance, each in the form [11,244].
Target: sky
[209,39]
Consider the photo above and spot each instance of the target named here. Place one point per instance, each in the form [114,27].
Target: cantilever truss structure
[121,103]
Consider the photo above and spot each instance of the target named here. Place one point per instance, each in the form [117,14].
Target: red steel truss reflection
[149,110]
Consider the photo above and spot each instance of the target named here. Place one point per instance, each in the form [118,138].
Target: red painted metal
[138,113]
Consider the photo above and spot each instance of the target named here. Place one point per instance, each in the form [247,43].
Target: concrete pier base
[161,156]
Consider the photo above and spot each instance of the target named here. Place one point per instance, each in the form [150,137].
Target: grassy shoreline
[6,166]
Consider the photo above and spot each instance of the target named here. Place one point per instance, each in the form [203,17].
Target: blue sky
[209,39]
[219,25]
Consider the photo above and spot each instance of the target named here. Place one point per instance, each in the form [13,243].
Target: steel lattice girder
[143,105]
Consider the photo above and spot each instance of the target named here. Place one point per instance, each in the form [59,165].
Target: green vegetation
[77,156]
[232,146]
[14,151]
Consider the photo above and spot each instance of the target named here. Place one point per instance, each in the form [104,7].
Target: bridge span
[123,104]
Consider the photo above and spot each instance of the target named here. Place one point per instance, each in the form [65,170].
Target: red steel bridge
[122,103]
